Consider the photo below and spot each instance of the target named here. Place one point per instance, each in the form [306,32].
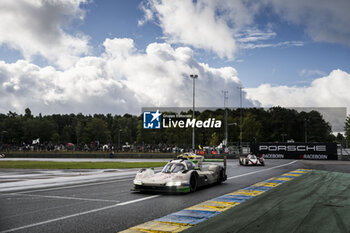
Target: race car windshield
[173,168]
[251,157]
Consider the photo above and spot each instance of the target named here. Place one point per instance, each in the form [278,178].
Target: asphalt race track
[106,204]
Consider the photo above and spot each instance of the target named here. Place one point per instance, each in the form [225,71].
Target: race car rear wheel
[221,177]
[193,181]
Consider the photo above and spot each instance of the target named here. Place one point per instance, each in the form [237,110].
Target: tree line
[276,124]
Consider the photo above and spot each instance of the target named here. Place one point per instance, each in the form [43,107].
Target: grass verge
[76,165]
[318,201]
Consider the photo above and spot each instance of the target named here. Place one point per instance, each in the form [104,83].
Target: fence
[343,153]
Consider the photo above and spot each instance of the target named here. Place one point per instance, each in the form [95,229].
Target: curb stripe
[277,181]
[268,184]
[184,219]
[246,192]
[259,188]
[288,176]
[291,174]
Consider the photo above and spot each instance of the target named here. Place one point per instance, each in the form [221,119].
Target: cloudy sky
[100,56]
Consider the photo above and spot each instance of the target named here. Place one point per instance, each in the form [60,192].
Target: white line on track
[78,185]
[85,183]
[249,173]
[79,214]
[65,197]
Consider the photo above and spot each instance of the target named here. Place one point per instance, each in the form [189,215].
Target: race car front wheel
[193,181]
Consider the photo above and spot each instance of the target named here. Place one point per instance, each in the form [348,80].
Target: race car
[182,175]
[251,160]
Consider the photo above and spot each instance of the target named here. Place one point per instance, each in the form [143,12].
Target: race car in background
[251,160]
[182,175]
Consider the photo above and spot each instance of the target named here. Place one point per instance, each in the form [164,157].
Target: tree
[67,134]
[97,131]
[258,124]
[55,138]
[214,139]
[340,138]
[281,121]
[251,128]
[28,113]
[38,128]
[13,126]
[318,129]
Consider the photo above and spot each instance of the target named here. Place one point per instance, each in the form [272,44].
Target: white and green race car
[185,174]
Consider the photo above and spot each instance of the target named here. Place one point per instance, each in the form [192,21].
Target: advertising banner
[316,151]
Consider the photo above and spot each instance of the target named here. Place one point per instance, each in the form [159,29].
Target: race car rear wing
[199,159]
[224,160]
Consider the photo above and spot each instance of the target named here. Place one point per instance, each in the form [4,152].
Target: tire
[193,181]
[221,177]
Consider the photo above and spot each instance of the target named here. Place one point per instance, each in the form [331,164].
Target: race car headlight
[137,182]
[173,183]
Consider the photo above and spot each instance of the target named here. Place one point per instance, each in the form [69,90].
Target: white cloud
[323,20]
[124,79]
[224,26]
[308,73]
[253,35]
[148,15]
[328,91]
[252,38]
[121,80]
[204,24]
[82,88]
[36,27]
[219,26]
[269,45]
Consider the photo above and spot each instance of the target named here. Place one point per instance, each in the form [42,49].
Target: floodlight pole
[193,76]
[226,132]
[240,119]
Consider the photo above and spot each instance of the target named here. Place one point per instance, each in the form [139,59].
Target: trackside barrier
[184,219]
[313,151]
